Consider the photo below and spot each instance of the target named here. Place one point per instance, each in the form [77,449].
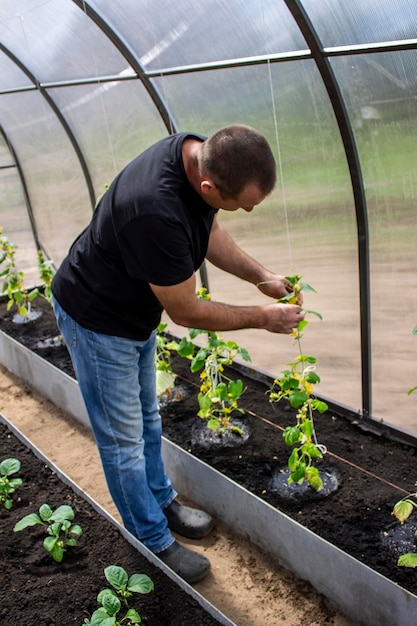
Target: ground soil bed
[373,472]
[33,587]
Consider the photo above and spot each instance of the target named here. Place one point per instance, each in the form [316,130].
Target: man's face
[246,200]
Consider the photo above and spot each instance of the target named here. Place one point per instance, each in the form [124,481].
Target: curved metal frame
[16,164]
[346,133]
[321,57]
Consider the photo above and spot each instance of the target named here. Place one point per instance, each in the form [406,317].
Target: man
[139,255]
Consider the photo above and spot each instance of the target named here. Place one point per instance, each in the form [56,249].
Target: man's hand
[283,318]
[277,286]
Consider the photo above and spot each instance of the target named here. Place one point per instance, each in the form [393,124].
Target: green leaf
[297,398]
[116,576]
[9,466]
[408,560]
[62,513]
[140,583]
[45,512]
[307,311]
[101,618]
[402,510]
[291,435]
[111,603]
[299,474]
[293,460]
[186,348]
[307,428]
[235,388]
[28,520]
[320,406]
[132,616]
[213,424]
[15,482]
[103,592]
[414,331]
[245,354]
[306,287]
[313,478]
[76,530]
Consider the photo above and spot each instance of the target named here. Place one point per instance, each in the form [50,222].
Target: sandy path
[245,584]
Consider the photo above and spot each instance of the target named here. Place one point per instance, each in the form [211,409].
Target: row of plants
[63,534]
[219,395]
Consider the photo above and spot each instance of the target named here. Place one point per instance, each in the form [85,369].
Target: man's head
[236,162]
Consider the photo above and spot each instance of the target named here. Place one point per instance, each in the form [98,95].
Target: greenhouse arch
[85,86]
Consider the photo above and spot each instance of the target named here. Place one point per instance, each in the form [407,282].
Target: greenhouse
[88,85]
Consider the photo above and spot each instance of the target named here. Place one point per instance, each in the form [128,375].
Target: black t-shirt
[149,227]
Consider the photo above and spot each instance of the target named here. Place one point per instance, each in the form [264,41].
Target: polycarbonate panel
[307,226]
[56,41]
[113,122]
[11,76]
[341,23]
[168,34]
[55,183]
[14,218]
[381,93]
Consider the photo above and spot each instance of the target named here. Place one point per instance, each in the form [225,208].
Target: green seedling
[13,279]
[112,600]
[58,524]
[296,386]
[165,377]
[9,485]
[219,395]
[46,274]
[402,511]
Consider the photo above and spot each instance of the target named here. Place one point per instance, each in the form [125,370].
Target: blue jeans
[116,377]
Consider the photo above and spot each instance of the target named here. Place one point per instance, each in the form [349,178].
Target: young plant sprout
[219,395]
[58,524]
[13,280]
[111,600]
[165,377]
[296,386]
[9,485]
[402,511]
[46,274]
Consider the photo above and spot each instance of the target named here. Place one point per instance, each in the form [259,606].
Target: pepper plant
[296,386]
[219,395]
[9,485]
[58,524]
[111,600]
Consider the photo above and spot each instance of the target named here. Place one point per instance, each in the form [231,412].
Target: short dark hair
[235,156]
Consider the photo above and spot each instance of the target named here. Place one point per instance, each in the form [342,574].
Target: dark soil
[373,472]
[36,589]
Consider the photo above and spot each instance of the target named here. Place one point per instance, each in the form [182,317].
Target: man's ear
[206,186]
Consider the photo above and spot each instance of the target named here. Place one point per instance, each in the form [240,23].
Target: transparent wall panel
[184,33]
[381,93]
[56,40]
[113,122]
[55,183]
[307,226]
[14,218]
[11,76]
[341,23]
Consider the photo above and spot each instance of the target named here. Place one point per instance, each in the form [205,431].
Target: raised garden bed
[36,589]
[346,544]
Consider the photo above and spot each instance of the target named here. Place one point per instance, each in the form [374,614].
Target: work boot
[190,523]
[190,565]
